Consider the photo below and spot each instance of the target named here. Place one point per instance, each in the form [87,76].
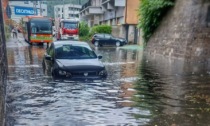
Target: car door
[101,39]
[108,39]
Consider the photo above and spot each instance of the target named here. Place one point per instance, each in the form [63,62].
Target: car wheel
[117,43]
[96,44]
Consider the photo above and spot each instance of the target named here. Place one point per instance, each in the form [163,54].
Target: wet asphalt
[140,90]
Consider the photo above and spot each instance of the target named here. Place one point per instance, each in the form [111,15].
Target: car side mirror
[48,57]
[100,57]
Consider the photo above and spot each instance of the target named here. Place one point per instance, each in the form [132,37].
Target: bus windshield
[70,25]
[41,27]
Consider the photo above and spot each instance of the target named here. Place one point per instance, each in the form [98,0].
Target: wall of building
[184,32]
[3,68]
[27,4]
[131,12]
[70,11]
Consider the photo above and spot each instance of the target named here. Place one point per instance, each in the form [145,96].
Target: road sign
[24,10]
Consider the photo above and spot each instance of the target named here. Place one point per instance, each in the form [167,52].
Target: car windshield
[70,25]
[74,52]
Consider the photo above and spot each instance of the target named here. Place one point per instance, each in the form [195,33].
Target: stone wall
[184,32]
[3,69]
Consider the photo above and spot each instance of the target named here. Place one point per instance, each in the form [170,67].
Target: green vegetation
[86,33]
[83,29]
[151,13]
[101,29]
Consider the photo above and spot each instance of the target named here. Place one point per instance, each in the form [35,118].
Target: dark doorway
[136,32]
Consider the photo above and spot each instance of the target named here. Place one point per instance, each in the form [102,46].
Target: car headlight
[62,72]
[102,73]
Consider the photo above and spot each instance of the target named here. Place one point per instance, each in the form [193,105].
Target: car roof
[70,42]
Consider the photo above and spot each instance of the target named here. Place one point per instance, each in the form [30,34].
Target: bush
[151,13]
[83,29]
[101,29]
[85,38]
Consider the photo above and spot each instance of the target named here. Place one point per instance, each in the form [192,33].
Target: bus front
[41,30]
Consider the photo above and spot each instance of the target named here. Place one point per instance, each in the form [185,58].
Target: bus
[37,29]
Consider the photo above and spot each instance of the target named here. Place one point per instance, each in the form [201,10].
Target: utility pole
[40,8]
[35,7]
[63,10]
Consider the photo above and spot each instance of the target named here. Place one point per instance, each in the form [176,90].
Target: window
[50,50]
[59,15]
[99,35]
[43,9]
[107,36]
[26,2]
[58,9]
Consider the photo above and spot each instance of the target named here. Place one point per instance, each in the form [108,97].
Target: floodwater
[140,90]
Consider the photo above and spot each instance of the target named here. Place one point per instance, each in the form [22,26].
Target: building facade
[21,9]
[67,11]
[122,15]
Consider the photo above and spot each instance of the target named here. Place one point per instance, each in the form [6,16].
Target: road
[139,90]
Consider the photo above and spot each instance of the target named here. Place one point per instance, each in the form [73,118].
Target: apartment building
[67,11]
[122,15]
[91,12]
[21,9]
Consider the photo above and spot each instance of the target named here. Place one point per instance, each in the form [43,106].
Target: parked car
[107,39]
[73,60]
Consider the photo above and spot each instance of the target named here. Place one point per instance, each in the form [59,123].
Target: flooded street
[139,90]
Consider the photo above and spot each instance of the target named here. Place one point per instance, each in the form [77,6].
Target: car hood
[80,64]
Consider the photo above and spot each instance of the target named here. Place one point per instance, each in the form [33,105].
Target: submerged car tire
[96,44]
[118,44]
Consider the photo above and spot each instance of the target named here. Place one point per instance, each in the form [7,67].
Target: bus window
[41,27]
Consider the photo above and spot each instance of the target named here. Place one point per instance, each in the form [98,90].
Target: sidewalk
[16,42]
[132,47]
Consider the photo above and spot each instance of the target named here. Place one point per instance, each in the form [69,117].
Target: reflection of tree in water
[171,99]
[146,97]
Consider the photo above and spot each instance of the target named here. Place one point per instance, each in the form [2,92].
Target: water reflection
[35,99]
[175,92]
[138,91]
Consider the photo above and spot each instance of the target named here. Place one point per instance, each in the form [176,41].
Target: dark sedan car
[73,60]
[107,39]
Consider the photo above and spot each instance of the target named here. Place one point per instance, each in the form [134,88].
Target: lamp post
[40,8]
[63,11]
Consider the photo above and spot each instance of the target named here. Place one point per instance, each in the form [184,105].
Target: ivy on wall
[151,13]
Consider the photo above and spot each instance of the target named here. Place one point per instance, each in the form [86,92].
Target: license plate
[85,74]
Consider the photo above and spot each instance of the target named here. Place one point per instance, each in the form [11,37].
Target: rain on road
[140,90]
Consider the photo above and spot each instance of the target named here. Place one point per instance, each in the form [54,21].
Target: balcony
[119,3]
[89,9]
[107,5]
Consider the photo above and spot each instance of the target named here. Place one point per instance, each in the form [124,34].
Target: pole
[35,7]
[3,67]
[40,8]
[63,10]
